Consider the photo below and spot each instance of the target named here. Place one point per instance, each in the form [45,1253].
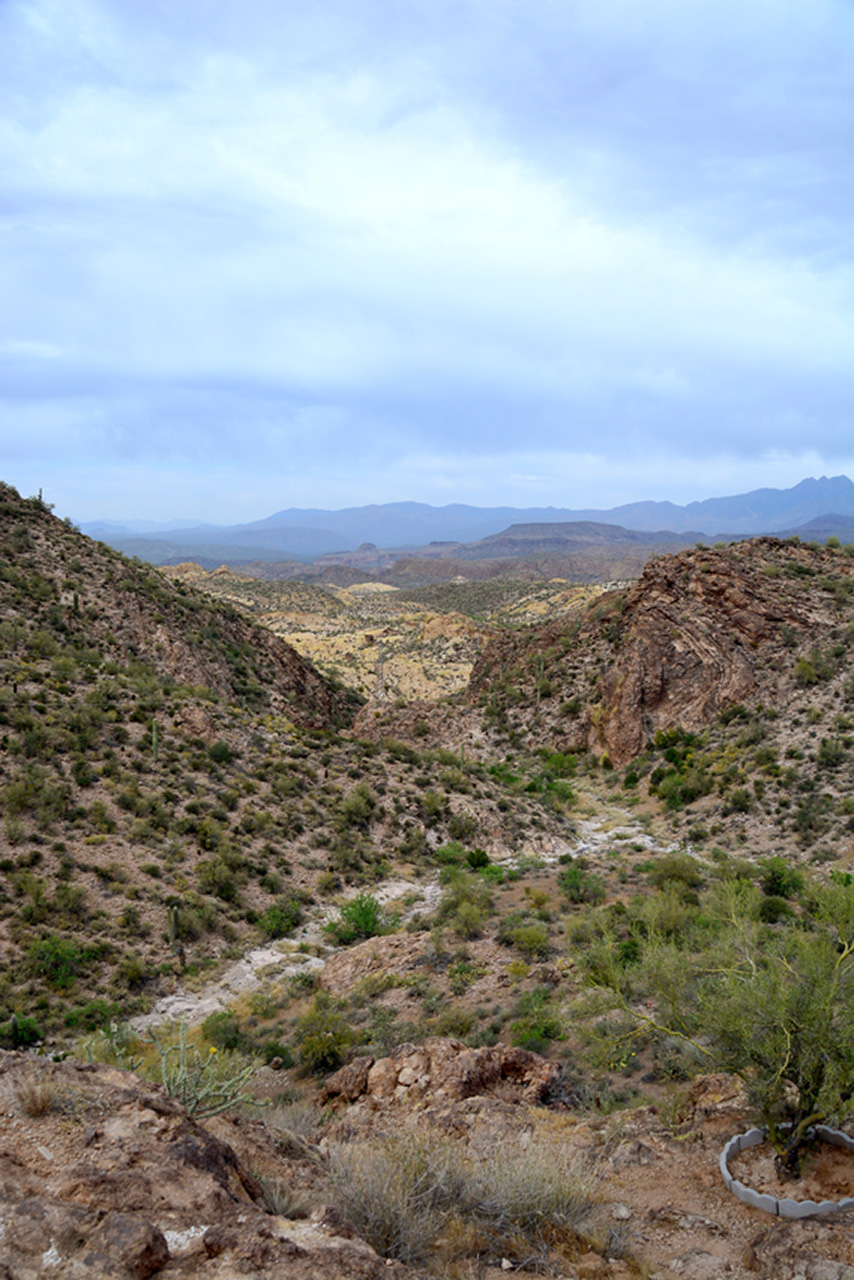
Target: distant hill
[298,534]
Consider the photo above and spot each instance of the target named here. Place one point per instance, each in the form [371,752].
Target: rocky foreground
[104,1177]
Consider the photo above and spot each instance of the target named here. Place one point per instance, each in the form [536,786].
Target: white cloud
[343,233]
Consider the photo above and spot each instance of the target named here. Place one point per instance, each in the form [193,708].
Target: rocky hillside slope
[173,786]
[699,632]
[724,676]
[59,588]
[105,1177]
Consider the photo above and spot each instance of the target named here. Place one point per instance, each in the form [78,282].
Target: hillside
[400,925]
[174,783]
[722,682]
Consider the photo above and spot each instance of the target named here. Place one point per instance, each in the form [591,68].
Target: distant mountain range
[303,534]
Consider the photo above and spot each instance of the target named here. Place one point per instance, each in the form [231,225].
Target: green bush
[676,868]
[356,811]
[281,918]
[322,1036]
[461,826]
[579,886]
[774,1005]
[55,959]
[532,940]
[17,1033]
[223,1031]
[778,879]
[91,1016]
[362,917]
[536,1022]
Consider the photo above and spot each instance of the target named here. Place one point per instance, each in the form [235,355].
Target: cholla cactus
[206,1084]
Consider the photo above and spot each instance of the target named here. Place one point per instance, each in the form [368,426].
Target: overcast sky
[326,253]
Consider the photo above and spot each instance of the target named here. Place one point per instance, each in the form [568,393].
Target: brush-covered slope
[60,591]
[173,787]
[134,718]
[736,663]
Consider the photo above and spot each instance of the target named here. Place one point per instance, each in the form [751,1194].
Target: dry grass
[301,1118]
[417,1198]
[284,1199]
[37,1096]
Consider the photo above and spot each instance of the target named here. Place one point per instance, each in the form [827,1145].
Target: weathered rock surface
[111,1180]
[443,1070]
[693,627]
[697,633]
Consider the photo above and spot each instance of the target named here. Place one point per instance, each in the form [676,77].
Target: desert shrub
[774,1005]
[813,670]
[454,1021]
[220,753]
[431,807]
[738,801]
[55,959]
[578,885]
[772,910]
[361,917]
[536,1022]
[831,753]
[461,826]
[399,1192]
[222,1030]
[322,1036]
[466,903]
[532,939]
[778,879]
[216,877]
[17,1033]
[91,1016]
[283,1198]
[532,1191]
[451,854]
[295,1117]
[37,1095]
[281,918]
[414,844]
[401,751]
[356,810]
[405,1194]
[676,868]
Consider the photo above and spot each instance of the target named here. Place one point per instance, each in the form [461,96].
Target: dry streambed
[309,948]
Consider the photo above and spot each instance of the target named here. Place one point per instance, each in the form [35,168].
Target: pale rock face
[445,1070]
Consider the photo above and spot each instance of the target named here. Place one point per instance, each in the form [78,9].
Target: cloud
[357,236]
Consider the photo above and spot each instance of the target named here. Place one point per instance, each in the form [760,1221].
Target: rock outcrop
[104,1178]
[694,626]
[697,633]
[442,1070]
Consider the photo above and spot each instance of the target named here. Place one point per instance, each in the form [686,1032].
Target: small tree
[773,1004]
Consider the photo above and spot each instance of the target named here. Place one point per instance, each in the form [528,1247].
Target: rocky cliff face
[696,635]
[698,632]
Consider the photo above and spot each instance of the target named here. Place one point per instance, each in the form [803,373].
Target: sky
[328,253]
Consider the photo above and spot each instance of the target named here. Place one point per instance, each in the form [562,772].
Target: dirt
[827,1173]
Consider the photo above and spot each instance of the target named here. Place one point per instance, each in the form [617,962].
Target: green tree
[773,1004]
